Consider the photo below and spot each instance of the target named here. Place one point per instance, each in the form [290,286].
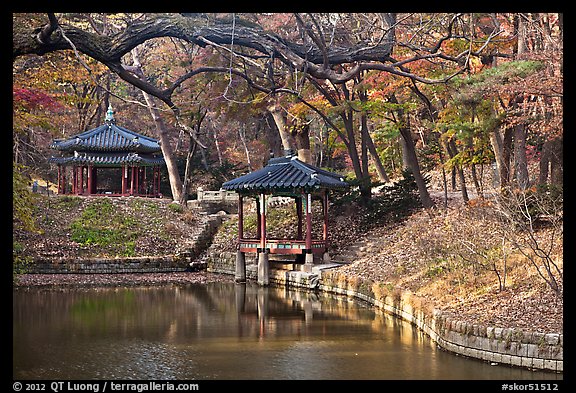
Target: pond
[225,331]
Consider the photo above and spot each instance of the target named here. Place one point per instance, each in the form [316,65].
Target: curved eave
[109,160]
[290,189]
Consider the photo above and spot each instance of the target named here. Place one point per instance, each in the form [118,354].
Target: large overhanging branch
[110,49]
[317,61]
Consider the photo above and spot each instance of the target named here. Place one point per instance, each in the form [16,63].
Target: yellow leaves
[301,110]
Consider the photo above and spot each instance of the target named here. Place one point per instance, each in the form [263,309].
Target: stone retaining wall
[107,265]
[515,347]
[224,263]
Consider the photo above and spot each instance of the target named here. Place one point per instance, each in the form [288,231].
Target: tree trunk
[347,118]
[217,144]
[301,136]
[413,165]
[368,146]
[477,182]
[169,157]
[382,175]
[366,189]
[184,195]
[409,157]
[273,135]
[520,159]
[167,152]
[242,135]
[498,149]
[287,140]
[198,117]
[444,180]
[452,152]
[544,164]
[557,162]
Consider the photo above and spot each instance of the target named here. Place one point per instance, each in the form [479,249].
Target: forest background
[372,96]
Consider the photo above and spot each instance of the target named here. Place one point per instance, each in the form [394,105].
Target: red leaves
[34,99]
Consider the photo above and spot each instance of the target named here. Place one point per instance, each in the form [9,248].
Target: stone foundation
[106,265]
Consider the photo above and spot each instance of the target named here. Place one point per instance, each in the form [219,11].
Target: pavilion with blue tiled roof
[137,159]
[288,177]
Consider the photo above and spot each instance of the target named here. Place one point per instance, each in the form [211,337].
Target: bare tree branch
[339,62]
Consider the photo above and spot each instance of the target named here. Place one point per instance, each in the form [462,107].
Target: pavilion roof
[108,145]
[109,159]
[108,137]
[285,174]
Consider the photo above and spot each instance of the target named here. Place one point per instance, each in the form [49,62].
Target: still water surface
[224,331]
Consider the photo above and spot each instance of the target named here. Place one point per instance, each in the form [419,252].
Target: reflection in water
[224,331]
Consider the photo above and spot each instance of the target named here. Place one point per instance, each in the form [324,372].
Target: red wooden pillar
[124,178]
[263,266]
[308,255]
[325,225]
[144,182]
[137,180]
[78,180]
[63,169]
[308,221]
[299,215]
[95,180]
[74,179]
[240,218]
[263,222]
[258,219]
[81,178]
[132,179]
[153,182]
[59,180]
[155,189]
[89,176]
[159,177]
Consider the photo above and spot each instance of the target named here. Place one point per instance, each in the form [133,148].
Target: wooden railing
[282,246]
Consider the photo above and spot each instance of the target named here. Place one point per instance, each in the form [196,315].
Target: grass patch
[101,224]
